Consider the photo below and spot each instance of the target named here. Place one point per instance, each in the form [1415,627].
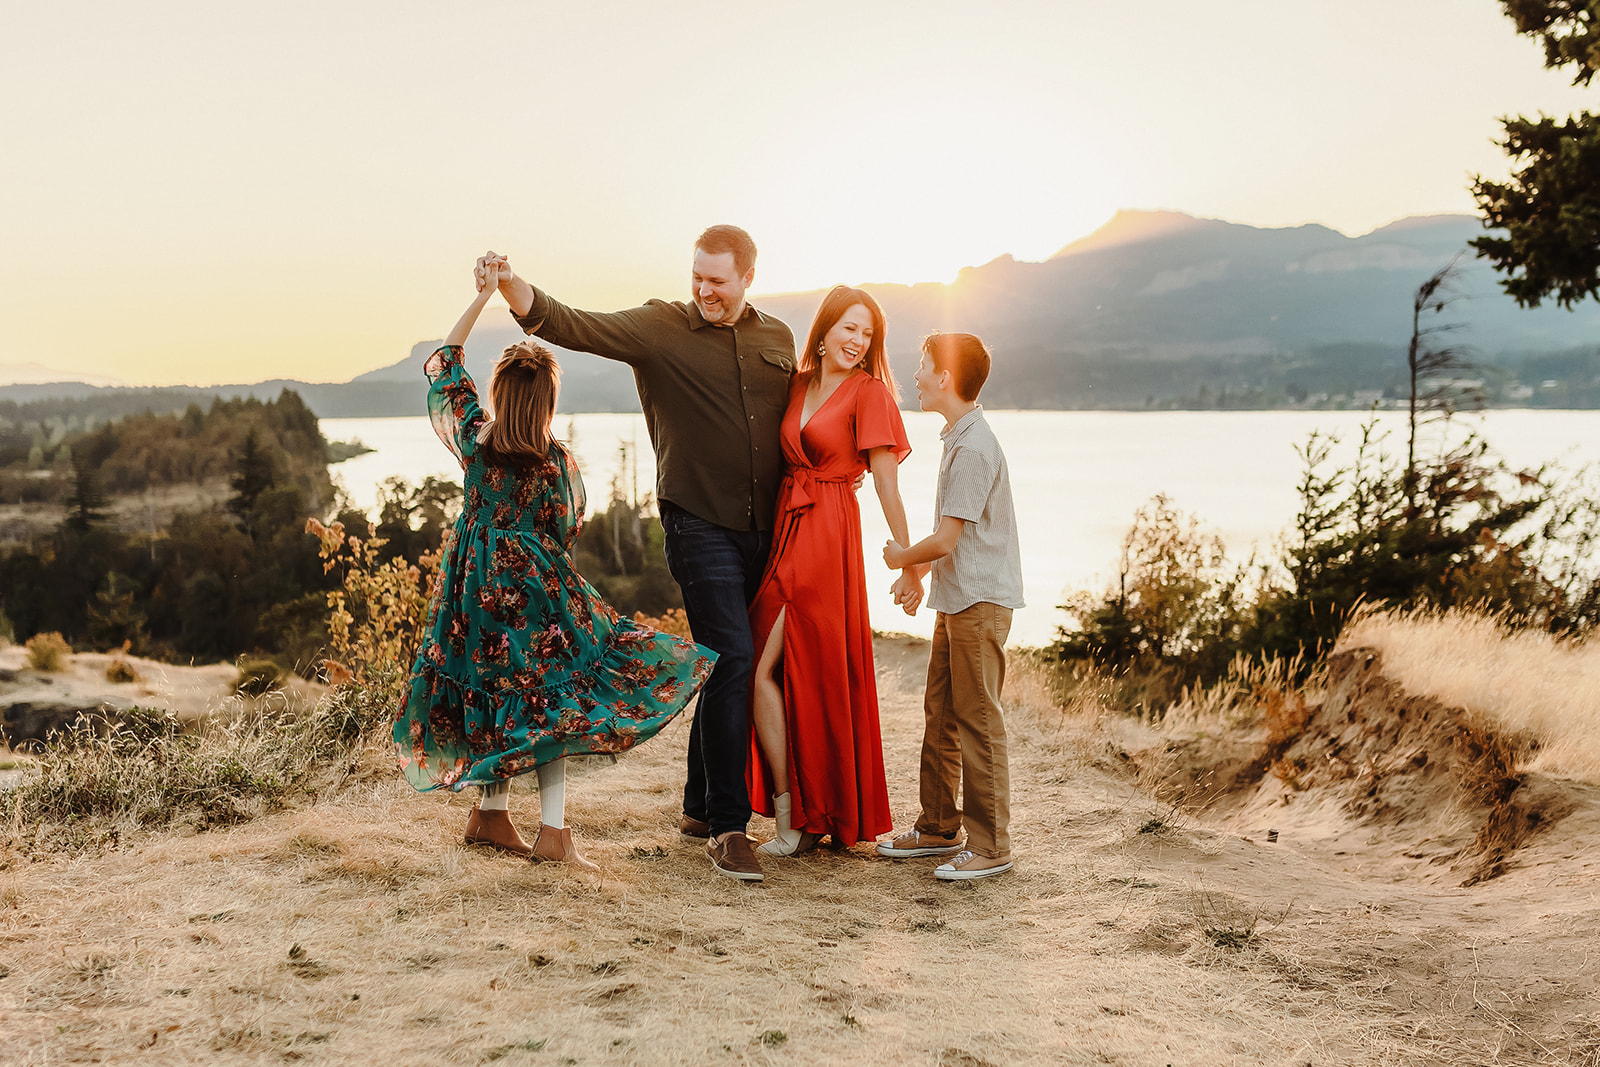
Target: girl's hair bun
[529,356]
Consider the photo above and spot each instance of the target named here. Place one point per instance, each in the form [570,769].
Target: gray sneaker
[917,843]
[969,865]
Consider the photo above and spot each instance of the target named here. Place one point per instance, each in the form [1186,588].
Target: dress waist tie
[801,494]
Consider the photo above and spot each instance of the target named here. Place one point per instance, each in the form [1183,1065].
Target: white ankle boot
[788,840]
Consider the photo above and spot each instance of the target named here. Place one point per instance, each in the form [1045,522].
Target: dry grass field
[1526,683]
[359,930]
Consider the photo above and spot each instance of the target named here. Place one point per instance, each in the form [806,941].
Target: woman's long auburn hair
[523,390]
[842,298]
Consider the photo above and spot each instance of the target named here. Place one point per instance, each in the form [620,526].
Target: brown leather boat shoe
[732,856]
[689,826]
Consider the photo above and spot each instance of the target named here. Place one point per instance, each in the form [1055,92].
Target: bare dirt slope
[358,930]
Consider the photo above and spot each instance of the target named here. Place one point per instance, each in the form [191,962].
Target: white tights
[552,794]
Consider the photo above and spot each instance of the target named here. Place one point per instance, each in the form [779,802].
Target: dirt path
[358,931]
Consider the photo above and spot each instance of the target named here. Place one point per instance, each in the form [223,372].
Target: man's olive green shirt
[713,397]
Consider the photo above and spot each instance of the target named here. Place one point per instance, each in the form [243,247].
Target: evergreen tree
[1550,209]
[86,506]
[1433,393]
[252,476]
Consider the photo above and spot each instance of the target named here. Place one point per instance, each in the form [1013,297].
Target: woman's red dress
[816,571]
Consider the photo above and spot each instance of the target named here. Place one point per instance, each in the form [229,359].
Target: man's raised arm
[619,335]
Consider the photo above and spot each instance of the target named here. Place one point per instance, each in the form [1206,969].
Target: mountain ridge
[1160,287]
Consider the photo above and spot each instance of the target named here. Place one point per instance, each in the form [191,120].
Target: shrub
[376,615]
[257,677]
[1172,617]
[48,652]
[1457,528]
[120,670]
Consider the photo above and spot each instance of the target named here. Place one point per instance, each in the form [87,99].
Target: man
[713,379]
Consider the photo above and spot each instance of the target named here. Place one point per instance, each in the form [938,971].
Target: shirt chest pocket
[772,373]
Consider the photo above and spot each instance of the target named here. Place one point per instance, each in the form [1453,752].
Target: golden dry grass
[359,930]
[1526,684]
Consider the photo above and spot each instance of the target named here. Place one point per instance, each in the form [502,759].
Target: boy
[977,583]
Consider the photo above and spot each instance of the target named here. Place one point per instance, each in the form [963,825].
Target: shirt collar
[697,320]
[963,424]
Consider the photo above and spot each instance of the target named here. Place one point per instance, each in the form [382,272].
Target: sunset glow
[205,194]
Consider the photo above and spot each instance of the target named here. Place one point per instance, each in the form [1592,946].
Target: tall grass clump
[48,652]
[104,777]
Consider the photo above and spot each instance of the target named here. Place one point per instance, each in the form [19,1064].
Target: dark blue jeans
[718,570]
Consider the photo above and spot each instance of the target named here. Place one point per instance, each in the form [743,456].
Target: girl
[522,663]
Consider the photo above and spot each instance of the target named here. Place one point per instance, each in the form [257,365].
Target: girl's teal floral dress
[522,662]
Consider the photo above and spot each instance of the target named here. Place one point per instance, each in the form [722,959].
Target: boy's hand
[892,551]
[907,591]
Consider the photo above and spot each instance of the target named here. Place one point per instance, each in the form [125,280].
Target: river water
[1077,477]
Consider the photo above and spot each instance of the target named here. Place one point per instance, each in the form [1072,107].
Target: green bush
[1457,529]
[1174,613]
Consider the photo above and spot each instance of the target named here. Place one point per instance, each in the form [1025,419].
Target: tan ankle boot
[494,829]
[555,846]
[788,840]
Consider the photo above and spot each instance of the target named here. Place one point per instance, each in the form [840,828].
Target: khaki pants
[965,738]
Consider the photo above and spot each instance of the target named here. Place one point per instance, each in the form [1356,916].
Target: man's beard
[721,314]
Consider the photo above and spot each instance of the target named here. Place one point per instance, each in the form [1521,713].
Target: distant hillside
[587,384]
[1155,305]
[1154,309]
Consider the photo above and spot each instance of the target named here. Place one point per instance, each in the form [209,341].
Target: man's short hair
[964,356]
[720,239]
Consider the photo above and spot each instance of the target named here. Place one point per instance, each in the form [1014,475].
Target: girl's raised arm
[458,333]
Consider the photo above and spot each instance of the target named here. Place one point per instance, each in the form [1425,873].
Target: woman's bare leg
[767,708]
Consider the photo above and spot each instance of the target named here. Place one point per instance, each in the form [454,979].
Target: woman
[522,663]
[817,768]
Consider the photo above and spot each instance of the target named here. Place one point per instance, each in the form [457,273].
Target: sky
[212,193]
